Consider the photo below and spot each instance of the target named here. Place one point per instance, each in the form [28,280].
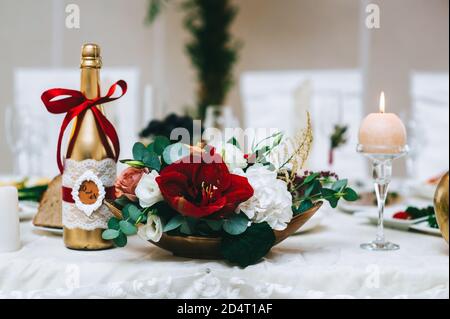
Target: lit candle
[9,216]
[382,132]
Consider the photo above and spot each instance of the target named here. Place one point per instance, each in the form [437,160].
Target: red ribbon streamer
[75,104]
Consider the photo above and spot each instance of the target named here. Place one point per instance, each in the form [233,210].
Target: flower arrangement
[218,191]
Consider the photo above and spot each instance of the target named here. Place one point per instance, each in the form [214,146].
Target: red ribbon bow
[75,104]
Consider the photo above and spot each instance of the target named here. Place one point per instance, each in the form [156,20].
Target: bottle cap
[90,56]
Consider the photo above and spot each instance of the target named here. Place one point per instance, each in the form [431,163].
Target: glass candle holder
[382,158]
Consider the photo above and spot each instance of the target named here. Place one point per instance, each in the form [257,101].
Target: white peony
[153,230]
[232,156]
[271,202]
[147,190]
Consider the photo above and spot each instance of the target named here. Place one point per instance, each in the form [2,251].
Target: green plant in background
[212,49]
[338,138]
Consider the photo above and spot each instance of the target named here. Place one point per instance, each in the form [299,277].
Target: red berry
[402,215]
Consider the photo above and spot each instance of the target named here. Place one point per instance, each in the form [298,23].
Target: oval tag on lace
[88,193]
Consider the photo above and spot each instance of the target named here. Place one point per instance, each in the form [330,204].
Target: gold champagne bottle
[88,150]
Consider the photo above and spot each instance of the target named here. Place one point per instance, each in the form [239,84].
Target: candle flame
[382,103]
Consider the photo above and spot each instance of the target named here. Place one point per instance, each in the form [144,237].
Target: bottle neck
[87,141]
[90,82]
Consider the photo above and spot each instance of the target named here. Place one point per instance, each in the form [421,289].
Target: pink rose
[127,181]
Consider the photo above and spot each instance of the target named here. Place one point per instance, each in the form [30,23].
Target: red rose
[127,181]
[198,189]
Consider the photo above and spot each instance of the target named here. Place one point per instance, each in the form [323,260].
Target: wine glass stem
[382,174]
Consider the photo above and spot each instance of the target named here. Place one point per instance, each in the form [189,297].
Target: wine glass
[18,134]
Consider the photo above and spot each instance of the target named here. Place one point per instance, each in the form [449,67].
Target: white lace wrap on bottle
[73,217]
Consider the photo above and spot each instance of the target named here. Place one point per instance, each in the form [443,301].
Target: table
[324,263]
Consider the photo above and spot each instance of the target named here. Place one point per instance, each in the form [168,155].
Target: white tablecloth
[324,263]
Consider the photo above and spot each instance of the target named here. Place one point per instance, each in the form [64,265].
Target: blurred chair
[29,83]
[429,139]
[280,99]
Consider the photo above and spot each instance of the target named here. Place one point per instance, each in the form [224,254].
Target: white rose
[271,202]
[147,190]
[152,230]
[232,156]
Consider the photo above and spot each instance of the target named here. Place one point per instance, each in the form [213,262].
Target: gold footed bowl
[441,205]
[209,247]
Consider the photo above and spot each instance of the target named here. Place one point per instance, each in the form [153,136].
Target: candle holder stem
[382,175]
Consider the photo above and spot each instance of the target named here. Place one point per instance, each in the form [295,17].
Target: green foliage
[150,156]
[139,151]
[314,188]
[33,194]
[249,247]
[265,147]
[234,141]
[339,136]
[415,212]
[174,223]
[304,206]
[122,201]
[119,229]
[159,144]
[127,228]
[175,152]
[121,240]
[212,50]
[236,225]
[432,221]
[110,234]
[154,9]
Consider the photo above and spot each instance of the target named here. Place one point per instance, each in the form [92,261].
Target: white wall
[277,34]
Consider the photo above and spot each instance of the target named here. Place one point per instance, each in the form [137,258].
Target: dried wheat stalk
[297,151]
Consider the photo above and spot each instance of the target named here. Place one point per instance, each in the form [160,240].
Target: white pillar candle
[9,216]
[382,132]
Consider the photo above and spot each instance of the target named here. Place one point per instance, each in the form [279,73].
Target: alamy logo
[73,16]
[373,16]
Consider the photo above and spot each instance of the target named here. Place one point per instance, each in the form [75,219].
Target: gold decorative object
[209,247]
[87,144]
[441,205]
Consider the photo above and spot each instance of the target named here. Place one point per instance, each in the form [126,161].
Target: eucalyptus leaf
[127,228]
[113,223]
[215,225]
[121,240]
[160,143]
[236,225]
[174,223]
[122,201]
[134,213]
[139,151]
[175,152]
[185,228]
[110,234]
[151,147]
[126,211]
[152,161]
